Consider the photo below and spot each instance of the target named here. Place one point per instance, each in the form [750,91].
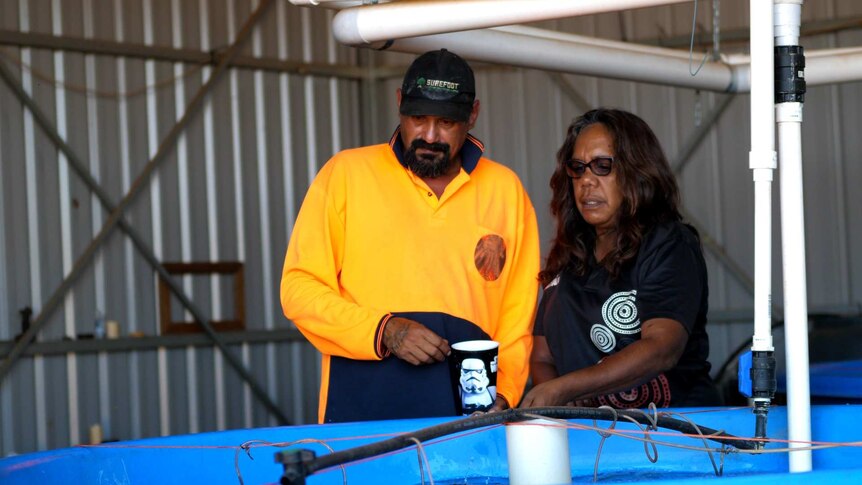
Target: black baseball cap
[438,83]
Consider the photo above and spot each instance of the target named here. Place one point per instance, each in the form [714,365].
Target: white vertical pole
[789,118]
[762,161]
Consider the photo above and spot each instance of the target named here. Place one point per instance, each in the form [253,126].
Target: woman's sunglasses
[600,166]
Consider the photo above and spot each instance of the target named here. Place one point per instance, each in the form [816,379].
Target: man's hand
[413,342]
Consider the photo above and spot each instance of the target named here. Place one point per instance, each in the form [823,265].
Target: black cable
[516,415]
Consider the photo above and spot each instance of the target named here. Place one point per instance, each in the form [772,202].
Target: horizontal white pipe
[575,54]
[583,40]
[833,68]
[550,50]
[375,23]
[596,58]
[339,4]
[833,53]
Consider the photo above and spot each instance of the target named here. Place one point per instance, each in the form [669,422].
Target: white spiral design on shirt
[621,314]
[603,338]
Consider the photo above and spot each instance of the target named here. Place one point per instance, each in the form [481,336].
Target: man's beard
[428,165]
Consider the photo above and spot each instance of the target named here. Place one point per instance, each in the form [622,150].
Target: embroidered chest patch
[490,256]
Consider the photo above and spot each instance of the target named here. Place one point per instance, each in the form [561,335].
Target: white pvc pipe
[795,296]
[553,51]
[549,50]
[833,66]
[540,49]
[375,23]
[583,40]
[787,15]
[339,4]
[560,52]
[762,160]
[789,118]
[538,453]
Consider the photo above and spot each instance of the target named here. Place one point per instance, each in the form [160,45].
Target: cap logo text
[437,84]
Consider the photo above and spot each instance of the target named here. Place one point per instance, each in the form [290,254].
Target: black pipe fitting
[763,386]
[295,465]
[763,382]
[789,74]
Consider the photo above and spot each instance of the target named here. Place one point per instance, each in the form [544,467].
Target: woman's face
[597,197]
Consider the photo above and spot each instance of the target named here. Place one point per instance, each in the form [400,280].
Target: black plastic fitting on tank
[789,74]
[763,386]
[295,465]
[763,383]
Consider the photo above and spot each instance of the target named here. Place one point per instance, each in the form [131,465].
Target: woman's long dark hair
[649,189]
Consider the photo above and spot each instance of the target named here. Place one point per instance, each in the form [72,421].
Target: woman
[622,319]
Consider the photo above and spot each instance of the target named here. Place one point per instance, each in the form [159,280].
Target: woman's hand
[550,393]
[500,404]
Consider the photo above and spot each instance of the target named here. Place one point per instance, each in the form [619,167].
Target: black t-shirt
[587,318]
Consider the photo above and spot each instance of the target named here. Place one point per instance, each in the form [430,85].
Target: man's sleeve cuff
[378,338]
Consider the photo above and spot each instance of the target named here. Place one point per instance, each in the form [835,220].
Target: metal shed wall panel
[231,186]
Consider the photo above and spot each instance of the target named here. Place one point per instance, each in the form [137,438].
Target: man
[402,249]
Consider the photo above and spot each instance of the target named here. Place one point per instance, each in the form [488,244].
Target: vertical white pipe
[789,118]
[762,160]
[795,295]
[538,452]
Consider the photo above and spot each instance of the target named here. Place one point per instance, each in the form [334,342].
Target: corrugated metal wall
[228,191]
[233,182]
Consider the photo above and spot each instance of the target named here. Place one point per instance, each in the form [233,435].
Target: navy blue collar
[471,152]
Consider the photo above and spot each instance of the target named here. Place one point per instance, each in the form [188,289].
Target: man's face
[433,143]
[474,379]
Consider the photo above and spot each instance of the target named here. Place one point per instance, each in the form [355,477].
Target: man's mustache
[437,147]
